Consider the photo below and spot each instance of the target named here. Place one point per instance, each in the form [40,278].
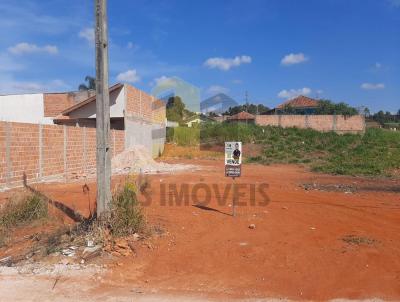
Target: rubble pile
[138,159]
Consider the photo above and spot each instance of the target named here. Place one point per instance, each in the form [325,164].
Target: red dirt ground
[296,250]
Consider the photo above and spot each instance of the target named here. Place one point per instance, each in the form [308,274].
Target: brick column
[65,152]
[306,121]
[8,155]
[84,151]
[334,123]
[40,151]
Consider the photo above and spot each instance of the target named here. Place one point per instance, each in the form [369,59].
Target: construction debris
[347,189]
[7,261]
[137,159]
[91,252]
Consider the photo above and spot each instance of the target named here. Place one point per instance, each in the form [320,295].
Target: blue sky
[343,50]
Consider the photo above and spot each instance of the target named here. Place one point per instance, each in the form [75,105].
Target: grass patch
[22,209]
[184,136]
[126,213]
[377,152]
[358,240]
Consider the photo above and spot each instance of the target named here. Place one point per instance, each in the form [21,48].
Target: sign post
[233,165]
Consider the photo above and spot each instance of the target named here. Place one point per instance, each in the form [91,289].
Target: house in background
[241,117]
[197,119]
[83,114]
[38,108]
[218,104]
[298,105]
[140,115]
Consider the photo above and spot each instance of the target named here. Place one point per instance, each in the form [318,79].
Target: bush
[184,136]
[22,209]
[377,152]
[218,133]
[126,213]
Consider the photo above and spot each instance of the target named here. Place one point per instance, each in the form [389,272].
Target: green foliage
[250,108]
[287,109]
[176,110]
[218,133]
[91,84]
[22,209]
[377,152]
[385,117]
[184,136]
[328,107]
[126,213]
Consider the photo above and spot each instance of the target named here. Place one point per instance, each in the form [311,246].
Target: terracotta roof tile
[242,116]
[300,102]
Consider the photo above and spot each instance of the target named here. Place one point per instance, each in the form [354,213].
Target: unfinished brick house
[38,108]
[43,151]
[139,114]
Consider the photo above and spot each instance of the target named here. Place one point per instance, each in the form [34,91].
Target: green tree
[328,107]
[287,109]
[250,108]
[91,84]
[175,109]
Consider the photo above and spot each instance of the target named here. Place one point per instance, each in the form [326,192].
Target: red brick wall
[321,122]
[3,162]
[55,103]
[24,151]
[143,105]
[53,150]
[339,123]
[65,151]
[159,112]
[353,123]
[133,100]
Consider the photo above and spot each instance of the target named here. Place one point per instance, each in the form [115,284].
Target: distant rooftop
[300,102]
[241,116]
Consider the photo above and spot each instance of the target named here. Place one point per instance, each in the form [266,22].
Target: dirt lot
[309,242]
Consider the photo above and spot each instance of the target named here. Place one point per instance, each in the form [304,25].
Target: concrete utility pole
[103,160]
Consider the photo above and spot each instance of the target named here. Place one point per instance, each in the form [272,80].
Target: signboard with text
[233,159]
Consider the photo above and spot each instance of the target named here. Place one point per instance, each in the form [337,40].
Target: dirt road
[305,244]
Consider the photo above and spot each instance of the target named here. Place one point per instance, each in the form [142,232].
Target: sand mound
[138,159]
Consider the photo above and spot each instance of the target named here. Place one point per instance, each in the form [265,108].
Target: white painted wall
[23,108]
[117,103]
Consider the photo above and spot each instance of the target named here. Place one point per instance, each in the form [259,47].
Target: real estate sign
[233,159]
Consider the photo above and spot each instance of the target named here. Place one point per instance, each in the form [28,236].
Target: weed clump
[126,213]
[22,209]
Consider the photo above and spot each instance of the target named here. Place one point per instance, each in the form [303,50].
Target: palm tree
[91,84]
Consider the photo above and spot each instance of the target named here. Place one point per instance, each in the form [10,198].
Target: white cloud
[129,76]
[372,86]
[164,81]
[291,93]
[378,65]
[227,63]
[293,58]
[237,81]
[130,45]
[10,85]
[87,34]
[27,87]
[215,89]
[25,48]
